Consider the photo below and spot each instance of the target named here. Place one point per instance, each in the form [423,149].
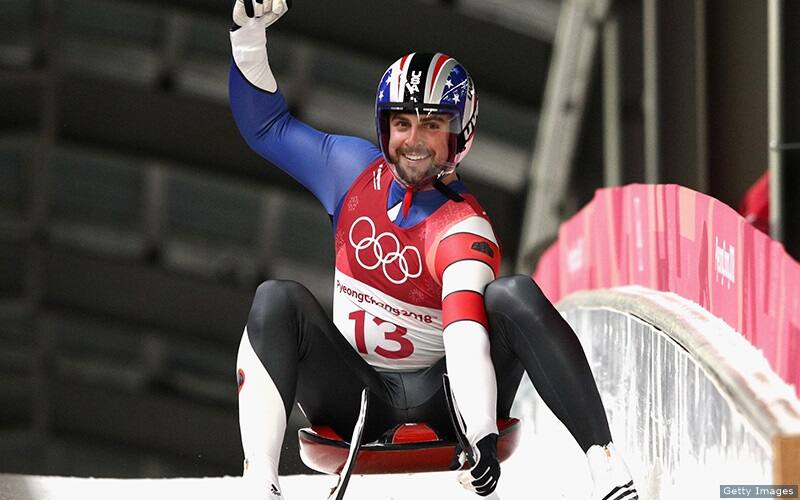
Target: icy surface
[678,433]
[528,474]
[549,466]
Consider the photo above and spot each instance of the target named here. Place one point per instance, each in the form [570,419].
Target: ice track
[551,469]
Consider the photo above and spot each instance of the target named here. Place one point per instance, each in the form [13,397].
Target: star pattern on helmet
[457,94]
[448,83]
[380,96]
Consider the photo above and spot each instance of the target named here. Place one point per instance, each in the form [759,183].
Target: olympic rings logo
[399,256]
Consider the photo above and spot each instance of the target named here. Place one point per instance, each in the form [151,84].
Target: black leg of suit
[313,364]
[528,333]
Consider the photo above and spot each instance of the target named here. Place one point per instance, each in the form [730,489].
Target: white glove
[249,39]
[248,13]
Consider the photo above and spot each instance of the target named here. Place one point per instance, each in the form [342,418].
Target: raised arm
[325,164]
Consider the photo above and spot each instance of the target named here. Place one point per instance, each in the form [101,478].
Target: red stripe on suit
[463,246]
[464,305]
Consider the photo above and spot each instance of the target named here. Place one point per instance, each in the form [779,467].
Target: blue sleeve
[325,164]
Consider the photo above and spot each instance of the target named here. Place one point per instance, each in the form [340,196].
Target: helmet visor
[419,142]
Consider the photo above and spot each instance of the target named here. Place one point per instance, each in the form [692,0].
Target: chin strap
[438,185]
[447,190]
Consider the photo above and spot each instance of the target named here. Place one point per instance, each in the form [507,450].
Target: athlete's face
[417,144]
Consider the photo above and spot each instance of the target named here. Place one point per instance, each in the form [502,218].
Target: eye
[433,125]
[402,124]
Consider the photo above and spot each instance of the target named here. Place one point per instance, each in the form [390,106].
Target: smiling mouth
[416,157]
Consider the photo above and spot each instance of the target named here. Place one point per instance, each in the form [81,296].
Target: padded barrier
[673,239]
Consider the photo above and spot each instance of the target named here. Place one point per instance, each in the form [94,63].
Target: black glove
[483,476]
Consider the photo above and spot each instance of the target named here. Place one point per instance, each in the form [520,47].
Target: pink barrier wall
[670,238]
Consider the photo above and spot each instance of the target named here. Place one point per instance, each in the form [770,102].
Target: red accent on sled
[414,433]
[412,448]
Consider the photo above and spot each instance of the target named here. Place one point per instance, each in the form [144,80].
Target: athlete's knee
[278,290]
[513,292]
[273,301]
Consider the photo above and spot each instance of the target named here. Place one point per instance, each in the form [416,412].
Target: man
[415,292]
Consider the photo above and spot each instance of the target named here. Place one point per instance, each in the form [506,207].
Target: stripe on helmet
[385,86]
[439,82]
[435,68]
[399,68]
[437,62]
[470,105]
[416,78]
[390,81]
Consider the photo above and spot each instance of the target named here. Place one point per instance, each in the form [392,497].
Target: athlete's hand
[261,13]
[483,476]
[249,39]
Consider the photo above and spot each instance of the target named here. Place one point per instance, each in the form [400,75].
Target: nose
[414,137]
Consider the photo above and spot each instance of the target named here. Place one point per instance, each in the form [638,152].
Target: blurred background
[135,223]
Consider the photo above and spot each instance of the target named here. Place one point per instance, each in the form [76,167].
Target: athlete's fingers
[465,478]
[269,17]
[248,7]
[279,7]
[487,488]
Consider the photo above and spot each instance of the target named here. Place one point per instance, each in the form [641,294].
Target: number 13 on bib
[389,334]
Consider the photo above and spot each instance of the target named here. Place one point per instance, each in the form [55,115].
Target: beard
[411,172]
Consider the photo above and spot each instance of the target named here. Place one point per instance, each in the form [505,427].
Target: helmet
[429,83]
